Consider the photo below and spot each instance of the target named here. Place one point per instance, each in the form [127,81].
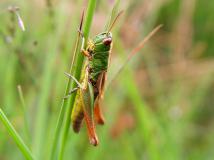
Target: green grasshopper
[90,89]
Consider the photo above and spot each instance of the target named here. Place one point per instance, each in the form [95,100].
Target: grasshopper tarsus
[86,53]
[94,141]
[73,90]
[70,92]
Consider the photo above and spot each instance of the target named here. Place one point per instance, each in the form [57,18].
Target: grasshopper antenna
[113,23]
[136,50]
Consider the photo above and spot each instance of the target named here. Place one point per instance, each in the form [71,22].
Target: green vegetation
[159,107]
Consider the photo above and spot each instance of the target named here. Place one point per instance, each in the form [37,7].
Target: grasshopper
[90,89]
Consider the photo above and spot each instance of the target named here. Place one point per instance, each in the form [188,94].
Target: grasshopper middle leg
[79,86]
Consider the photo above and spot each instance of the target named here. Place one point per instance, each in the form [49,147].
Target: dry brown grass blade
[142,43]
[136,50]
[78,38]
[113,23]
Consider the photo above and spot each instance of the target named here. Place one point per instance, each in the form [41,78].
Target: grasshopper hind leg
[97,109]
[98,113]
[91,130]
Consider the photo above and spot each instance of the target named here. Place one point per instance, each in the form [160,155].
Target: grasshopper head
[104,39]
[107,39]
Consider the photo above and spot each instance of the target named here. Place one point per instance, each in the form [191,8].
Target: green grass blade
[26,125]
[20,143]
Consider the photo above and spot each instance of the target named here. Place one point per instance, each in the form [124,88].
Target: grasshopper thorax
[100,48]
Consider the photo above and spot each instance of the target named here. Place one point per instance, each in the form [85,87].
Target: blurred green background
[160,106]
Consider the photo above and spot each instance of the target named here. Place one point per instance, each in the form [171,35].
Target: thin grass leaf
[26,125]
[135,51]
[20,143]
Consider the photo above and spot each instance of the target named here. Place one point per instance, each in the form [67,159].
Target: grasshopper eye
[107,41]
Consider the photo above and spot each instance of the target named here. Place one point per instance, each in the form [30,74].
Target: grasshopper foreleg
[84,51]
